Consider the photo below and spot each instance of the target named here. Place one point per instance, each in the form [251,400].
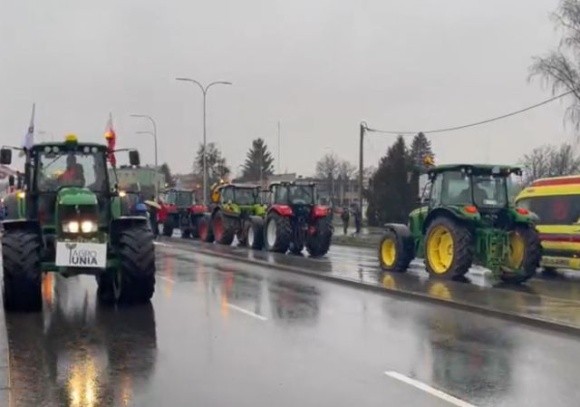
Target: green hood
[76,196]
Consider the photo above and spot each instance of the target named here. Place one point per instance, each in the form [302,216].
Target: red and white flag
[111,138]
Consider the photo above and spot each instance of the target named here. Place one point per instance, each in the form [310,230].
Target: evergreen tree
[166,171]
[391,193]
[259,162]
[420,148]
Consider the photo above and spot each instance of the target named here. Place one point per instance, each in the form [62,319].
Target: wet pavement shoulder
[524,304]
[4,359]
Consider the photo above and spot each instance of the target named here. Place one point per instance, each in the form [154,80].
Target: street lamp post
[204,158]
[154,134]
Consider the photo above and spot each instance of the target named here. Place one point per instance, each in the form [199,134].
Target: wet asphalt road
[224,333]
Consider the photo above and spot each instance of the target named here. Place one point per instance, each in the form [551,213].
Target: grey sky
[317,66]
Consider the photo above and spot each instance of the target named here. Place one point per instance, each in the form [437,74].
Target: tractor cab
[484,190]
[180,198]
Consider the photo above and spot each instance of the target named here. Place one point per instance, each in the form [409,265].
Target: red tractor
[294,220]
[180,211]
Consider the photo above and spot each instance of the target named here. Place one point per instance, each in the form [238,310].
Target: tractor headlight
[71,227]
[88,226]
[85,226]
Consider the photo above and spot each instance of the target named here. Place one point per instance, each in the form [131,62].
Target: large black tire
[195,230]
[134,282]
[22,271]
[255,233]
[529,260]
[168,227]
[318,243]
[205,229]
[395,252]
[223,228]
[439,262]
[277,233]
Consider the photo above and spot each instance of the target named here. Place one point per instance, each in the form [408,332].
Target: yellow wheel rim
[516,251]
[388,252]
[440,249]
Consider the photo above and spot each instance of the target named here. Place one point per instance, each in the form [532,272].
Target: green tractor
[468,219]
[235,211]
[65,217]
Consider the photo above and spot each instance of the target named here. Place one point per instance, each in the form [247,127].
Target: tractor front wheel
[204,228]
[137,260]
[318,242]
[395,254]
[22,272]
[525,252]
[278,233]
[255,233]
[448,249]
[223,229]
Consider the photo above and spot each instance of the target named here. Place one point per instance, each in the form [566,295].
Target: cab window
[554,210]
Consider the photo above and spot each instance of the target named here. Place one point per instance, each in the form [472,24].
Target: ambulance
[556,201]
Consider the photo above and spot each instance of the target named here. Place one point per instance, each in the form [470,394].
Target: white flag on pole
[29,137]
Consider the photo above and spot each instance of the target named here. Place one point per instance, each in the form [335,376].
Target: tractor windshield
[71,169]
[482,190]
[180,198]
[245,196]
[301,194]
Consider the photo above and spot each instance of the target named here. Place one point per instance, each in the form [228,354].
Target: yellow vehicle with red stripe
[557,203]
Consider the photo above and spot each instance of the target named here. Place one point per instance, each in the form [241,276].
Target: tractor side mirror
[11,180]
[6,156]
[134,158]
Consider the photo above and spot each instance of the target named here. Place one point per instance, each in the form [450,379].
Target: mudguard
[21,224]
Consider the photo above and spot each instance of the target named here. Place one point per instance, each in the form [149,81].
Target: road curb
[455,304]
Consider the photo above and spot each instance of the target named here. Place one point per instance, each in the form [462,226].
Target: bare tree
[560,67]
[346,170]
[550,161]
[328,165]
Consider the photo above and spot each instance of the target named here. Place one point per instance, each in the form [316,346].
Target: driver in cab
[74,174]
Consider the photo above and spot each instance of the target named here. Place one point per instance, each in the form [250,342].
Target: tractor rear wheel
[319,241]
[448,249]
[395,254]
[22,271]
[204,228]
[525,253]
[168,227]
[223,228]
[277,233]
[195,229]
[255,233]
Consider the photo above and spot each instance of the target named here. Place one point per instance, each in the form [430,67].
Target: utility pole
[278,146]
[363,127]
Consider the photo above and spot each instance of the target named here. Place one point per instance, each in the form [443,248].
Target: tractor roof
[239,186]
[289,183]
[65,146]
[476,168]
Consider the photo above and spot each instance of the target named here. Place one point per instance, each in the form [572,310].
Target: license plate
[81,254]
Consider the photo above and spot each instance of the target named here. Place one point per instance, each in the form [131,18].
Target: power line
[493,119]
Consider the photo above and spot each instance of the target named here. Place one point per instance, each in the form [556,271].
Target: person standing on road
[345,219]
[357,219]
[153,219]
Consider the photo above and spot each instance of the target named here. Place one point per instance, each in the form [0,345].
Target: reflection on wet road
[223,333]
[548,299]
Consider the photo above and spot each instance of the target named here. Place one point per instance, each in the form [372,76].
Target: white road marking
[245,311]
[172,281]
[426,388]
